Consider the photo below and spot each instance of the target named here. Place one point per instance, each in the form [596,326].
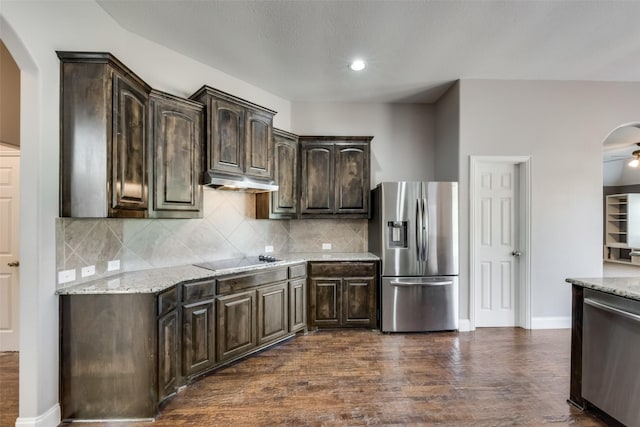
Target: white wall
[32,32]
[556,123]
[448,135]
[403,147]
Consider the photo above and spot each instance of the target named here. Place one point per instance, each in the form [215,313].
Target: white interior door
[496,257]
[9,250]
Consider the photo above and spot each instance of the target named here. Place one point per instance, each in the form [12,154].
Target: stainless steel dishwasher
[611,355]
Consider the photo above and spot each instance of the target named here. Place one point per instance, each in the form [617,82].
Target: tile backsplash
[228,229]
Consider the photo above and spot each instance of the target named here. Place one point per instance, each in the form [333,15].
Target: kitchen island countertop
[627,287]
[158,279]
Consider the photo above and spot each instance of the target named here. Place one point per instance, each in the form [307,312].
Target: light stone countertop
[158,279]
[628,287]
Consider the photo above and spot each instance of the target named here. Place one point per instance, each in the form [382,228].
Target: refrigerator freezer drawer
[419,304]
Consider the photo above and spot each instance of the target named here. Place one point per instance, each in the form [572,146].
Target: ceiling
[299,50]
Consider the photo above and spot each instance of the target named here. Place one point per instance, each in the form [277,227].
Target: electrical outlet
[326,246]
[66,276]
[87,271]
[268,248]
[113,265]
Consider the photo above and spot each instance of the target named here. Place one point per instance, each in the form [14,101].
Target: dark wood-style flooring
[491,377]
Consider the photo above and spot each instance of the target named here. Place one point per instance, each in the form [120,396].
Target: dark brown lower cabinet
[168,354]
[109,356]
[273,312]
[236,324]
[342,294]
[297,305]
[198,338]
[121,355]
[325,298]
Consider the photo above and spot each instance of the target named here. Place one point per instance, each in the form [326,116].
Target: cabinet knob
[516,253]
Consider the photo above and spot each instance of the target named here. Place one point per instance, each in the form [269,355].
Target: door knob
[516,253]
[14,264]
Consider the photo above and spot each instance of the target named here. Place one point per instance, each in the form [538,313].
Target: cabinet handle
[14,264]
[613,310]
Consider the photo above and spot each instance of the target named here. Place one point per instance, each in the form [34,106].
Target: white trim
[51,418]
[551,322]
[464,325]
[524,303]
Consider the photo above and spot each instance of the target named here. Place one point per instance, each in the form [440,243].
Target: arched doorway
[619,178]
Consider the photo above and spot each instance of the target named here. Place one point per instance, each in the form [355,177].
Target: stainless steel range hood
[245,184]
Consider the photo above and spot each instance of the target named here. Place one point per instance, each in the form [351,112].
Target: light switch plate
[268,248]
[87,271]
[113,265]
[66,276]
[326,246]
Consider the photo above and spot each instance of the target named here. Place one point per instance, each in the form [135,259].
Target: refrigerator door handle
[399,283]
[418,230]
[425,229]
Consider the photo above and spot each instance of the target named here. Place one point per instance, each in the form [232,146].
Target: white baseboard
[551,322]
[464,325]
[51,418]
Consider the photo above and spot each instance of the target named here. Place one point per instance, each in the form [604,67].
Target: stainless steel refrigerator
[414,231]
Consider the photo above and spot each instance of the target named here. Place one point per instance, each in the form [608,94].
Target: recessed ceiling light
[357,65]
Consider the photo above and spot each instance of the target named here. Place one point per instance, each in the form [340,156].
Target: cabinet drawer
[342,269]
[297,271]
[167,301]
[246,281]
[192,292]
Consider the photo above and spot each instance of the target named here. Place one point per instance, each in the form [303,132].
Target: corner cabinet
[282,204]
[238,135]
[334,176]
[622,228]
[342,294]
[126,151]
[104,137]
[176,147]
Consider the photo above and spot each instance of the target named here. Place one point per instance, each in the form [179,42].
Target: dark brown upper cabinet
[176,156]
[126,150]
[282,204]
[238,135]
[334,176]
[104,137]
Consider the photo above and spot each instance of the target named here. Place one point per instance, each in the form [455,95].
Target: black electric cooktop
[237,262]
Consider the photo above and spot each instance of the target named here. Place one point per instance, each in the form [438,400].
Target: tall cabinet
[282,204]
[622,228]
[104,137]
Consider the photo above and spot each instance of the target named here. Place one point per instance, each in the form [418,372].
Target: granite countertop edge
[159,279]
[627,287]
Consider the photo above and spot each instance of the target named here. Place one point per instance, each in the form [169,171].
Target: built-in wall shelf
[622,228]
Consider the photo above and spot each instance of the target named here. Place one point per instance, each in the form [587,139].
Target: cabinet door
[226,150]
[359,302]
[325,302]
[198,350]
[168,354]
[317,185]
[259,145]
[177,145]
[236,324]
[273,312]
[297,305]
[285,200]
[129,148]
[352,178]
